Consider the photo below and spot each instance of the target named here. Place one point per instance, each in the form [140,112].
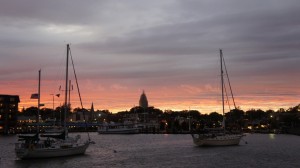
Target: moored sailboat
[219,136]
[51,144]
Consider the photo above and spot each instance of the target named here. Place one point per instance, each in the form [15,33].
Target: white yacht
[118,128]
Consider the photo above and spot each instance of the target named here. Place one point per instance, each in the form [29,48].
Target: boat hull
[31,152]
[223,140]
[119,131]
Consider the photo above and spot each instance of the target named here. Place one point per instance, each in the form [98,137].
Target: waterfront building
[101,115]
[78,116]
[8,113]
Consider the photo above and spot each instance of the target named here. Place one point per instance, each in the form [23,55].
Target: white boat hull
[219,140]
[32,152]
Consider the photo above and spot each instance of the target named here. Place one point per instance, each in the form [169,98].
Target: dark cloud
[154,43]
[58,12]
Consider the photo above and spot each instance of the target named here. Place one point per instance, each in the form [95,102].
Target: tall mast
[66,89]
[39,104]
[222,83]
[69,101]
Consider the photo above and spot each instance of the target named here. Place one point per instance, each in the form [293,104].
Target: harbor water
[166,150]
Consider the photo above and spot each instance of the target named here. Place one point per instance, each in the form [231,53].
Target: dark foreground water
[158,150]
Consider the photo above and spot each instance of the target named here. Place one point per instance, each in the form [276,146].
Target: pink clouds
[170,49]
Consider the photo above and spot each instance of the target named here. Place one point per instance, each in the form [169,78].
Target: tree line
[188,119]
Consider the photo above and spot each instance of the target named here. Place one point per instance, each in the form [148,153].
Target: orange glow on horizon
[115,99]
[126,101]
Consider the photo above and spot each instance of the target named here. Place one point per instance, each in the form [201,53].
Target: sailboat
[51,145]
[217,136]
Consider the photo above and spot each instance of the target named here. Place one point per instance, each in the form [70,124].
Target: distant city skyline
[170,49]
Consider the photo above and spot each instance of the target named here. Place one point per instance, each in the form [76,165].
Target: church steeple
[92,112]
[143,100]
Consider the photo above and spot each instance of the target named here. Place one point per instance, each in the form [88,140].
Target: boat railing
[29,145]
[19,145]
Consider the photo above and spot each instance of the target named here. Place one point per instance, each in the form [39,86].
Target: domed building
[143,101]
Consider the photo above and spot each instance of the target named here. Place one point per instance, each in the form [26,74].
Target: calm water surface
[158,150]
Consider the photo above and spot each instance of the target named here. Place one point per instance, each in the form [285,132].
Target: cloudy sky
[168,48]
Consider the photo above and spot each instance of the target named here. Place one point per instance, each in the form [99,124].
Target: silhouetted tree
[214,119]
[46,113]
[31,111]
[137,109]
[295,109]
[256,114]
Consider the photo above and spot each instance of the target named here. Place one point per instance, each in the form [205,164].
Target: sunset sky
[169,49]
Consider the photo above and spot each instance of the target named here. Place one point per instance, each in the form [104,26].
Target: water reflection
[158,150]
